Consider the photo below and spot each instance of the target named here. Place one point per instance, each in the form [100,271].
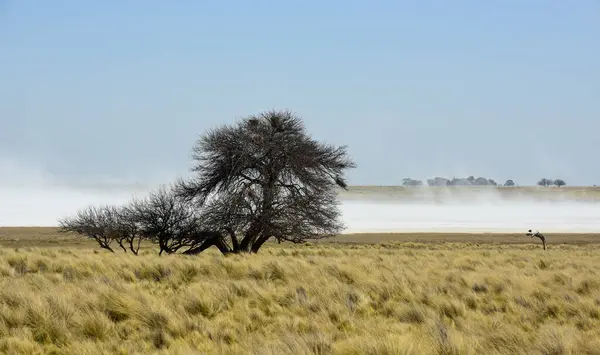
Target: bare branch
[92,222]
[169,221]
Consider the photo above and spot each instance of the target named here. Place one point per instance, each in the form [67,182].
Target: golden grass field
[447,294]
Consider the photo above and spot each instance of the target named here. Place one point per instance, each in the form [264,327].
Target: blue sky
[119,90]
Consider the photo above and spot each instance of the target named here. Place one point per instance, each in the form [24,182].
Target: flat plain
[43,237]
[388,293]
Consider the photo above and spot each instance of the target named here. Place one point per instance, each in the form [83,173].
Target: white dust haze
[31,198]
[572,217]
[42,206]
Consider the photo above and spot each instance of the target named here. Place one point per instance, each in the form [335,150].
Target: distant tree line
[473,181]
[549,182]
[440,181]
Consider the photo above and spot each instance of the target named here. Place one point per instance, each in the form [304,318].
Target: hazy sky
[119,90]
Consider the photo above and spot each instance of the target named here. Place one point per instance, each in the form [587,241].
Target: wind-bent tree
[265,177]
[93,222]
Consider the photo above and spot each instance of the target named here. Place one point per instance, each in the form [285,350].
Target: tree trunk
[106,246]
[235,243]
[164,247]
[255,237]
[133,249]
[120,242]
[197,250]
[250,237]
[223,247]
[216,241]
[259,242]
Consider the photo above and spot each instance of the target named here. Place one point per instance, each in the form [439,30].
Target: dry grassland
[404,298]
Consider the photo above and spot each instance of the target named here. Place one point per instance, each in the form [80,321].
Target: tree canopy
[266,177]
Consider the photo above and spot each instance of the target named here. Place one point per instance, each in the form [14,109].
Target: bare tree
[93,222]
[169,221]
[265,177]
[126,230]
